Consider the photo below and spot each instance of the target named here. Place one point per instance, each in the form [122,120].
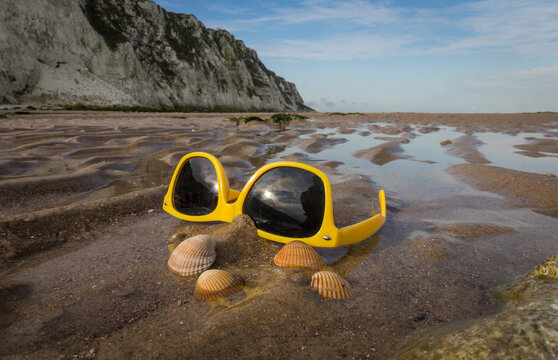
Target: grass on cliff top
[163,109]
[8,114]
[280,120]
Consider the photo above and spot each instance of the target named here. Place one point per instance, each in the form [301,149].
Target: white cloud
[327,105]
[359,12]
[226,8]
[372,29]
[321,103]
[542,77]
[513,26]
[340,47]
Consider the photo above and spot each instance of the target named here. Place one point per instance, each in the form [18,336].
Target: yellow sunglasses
[287,200]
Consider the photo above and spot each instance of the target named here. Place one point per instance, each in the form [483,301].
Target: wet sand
[84,241]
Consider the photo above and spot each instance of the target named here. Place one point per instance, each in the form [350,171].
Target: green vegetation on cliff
[109,20]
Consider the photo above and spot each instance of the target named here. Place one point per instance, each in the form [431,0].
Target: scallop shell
[298,254]
[216,283]
[193,256]
[331,285]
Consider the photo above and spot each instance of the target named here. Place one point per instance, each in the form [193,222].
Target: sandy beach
[84,240]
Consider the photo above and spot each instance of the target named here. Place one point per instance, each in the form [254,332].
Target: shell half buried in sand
[217,283]
[331,285]
[300,255]
[193,256]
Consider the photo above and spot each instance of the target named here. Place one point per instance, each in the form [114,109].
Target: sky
[400,55]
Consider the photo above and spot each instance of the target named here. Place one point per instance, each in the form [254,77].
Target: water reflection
[287,201]
[500,149]
[197,190]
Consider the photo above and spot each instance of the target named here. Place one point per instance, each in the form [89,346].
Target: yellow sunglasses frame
[230,203]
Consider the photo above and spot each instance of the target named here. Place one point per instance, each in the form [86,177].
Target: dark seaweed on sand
[280,120]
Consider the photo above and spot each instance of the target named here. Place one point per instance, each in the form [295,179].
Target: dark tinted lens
[196,190]
[287,201]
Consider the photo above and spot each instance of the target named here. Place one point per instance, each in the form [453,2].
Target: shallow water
[500,149]
[422,169]
[444,246]
[497,147]
[419,180]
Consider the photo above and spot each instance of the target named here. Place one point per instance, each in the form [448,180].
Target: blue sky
[401,55]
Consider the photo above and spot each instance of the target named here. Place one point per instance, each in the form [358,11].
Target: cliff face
[129,52]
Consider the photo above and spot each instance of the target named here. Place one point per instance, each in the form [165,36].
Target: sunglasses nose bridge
[225,211]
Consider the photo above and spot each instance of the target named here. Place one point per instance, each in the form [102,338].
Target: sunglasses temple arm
[382,196]
[364,229]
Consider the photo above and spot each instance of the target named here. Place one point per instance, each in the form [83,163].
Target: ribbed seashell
[298,254]
[193,256]
[331,285]
[217,283]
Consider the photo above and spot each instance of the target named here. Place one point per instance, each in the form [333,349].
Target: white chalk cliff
[129,52]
